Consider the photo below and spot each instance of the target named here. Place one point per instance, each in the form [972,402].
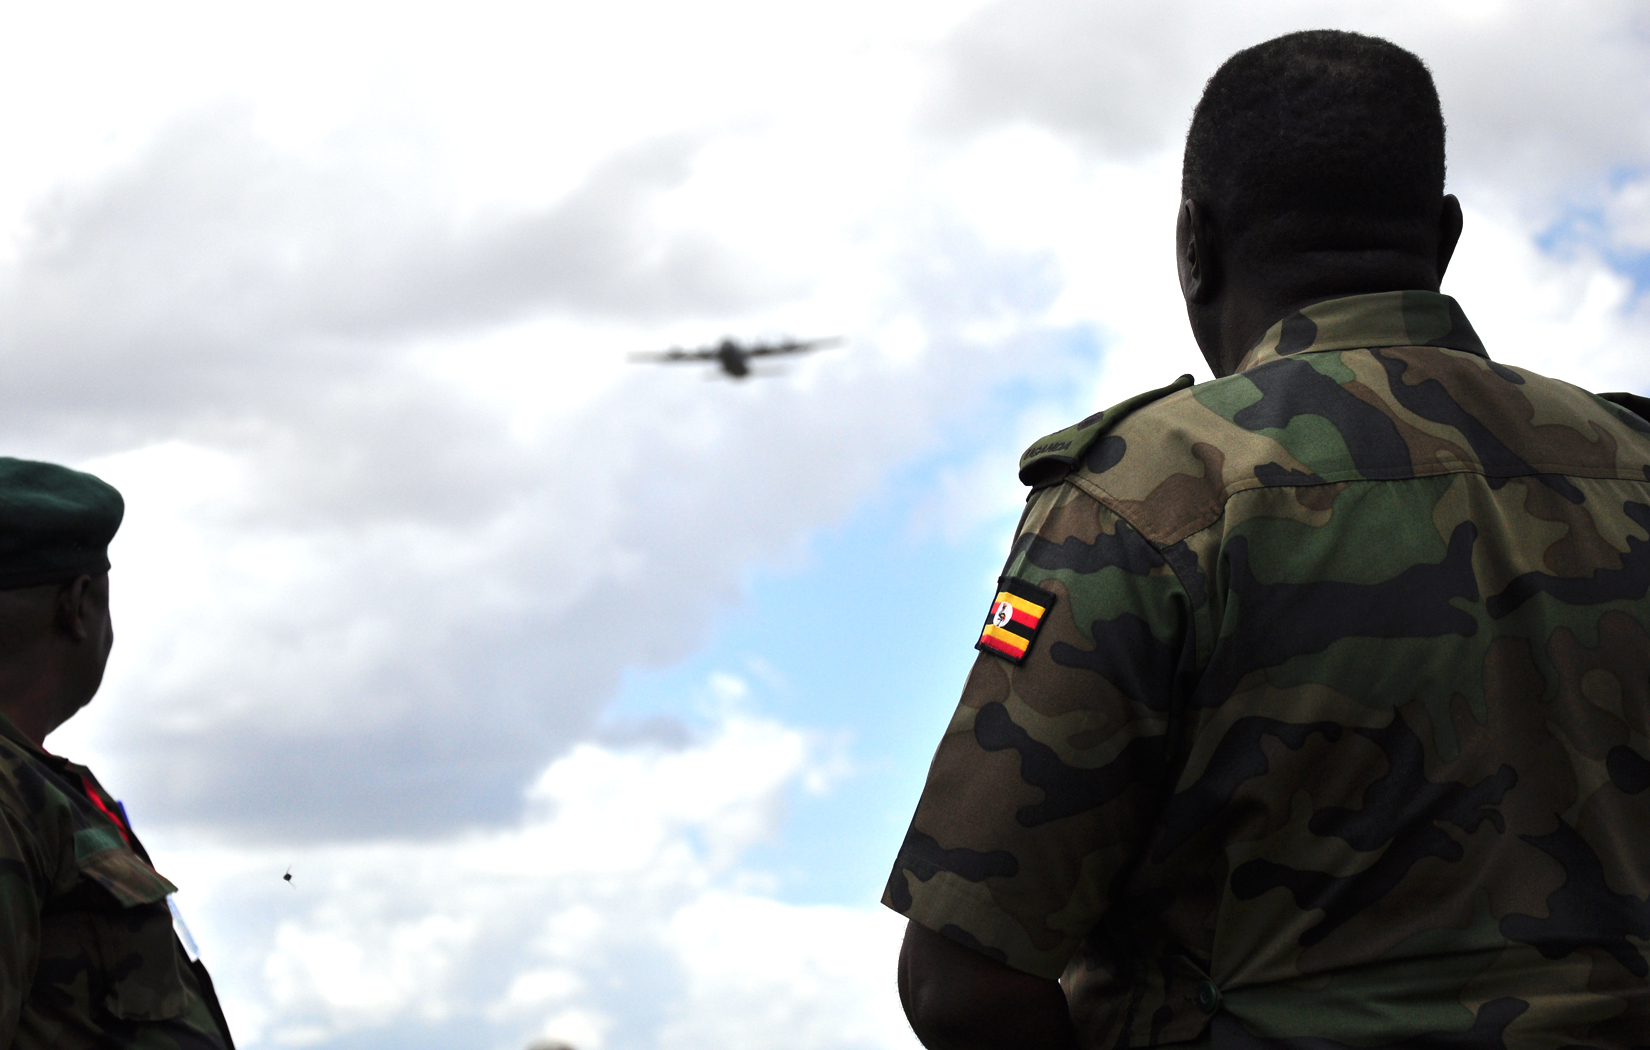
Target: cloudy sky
[588,700]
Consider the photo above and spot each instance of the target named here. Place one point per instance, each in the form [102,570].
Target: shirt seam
[1100,494]
[1481,354]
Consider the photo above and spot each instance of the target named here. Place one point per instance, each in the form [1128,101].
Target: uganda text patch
[1014,618]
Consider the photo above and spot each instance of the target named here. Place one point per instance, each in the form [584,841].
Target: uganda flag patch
[1014,618]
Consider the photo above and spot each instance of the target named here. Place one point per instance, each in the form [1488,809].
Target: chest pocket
[133,965]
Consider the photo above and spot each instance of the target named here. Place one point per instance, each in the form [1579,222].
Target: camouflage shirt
[88,956]
[1314,711]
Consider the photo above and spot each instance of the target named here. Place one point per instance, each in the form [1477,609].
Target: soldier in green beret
[88,953]
[1312,708]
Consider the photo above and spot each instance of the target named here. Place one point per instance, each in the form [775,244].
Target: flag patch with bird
[1015,615]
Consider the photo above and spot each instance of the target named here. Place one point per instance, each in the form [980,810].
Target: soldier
[88,956]
[1313,707]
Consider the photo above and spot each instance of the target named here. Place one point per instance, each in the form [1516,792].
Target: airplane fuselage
[732,358]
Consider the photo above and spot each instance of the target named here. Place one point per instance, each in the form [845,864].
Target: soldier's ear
[1449,231]
[76,601]
[1196,257]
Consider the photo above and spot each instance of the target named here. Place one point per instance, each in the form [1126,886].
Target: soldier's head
[55,628]
[1314,167]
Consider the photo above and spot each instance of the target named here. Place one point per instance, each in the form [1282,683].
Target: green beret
[55,523]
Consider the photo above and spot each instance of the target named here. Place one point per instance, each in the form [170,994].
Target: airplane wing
[674,354]
[792,346]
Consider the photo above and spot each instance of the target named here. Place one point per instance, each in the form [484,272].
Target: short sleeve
[1044,785]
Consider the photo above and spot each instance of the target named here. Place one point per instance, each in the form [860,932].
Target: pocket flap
[104,858]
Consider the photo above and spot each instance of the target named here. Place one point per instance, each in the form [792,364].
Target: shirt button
[1207,997]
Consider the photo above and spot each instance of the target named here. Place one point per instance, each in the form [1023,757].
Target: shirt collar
[1358,322]
[9,730]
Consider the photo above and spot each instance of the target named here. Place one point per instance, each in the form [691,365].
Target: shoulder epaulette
[1053,457]
[1639,406]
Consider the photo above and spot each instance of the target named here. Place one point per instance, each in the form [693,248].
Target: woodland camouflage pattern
[88,956]
[1338,732]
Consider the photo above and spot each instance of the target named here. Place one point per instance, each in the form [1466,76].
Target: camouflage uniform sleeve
[21,878]
[1046,782]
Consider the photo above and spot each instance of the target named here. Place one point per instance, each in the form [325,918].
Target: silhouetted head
[1314,167]
[55,628]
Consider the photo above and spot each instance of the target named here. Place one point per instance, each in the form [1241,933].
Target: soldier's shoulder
[26,788]
[40,822]
[1637,414]
[1563,406]
[1092,444]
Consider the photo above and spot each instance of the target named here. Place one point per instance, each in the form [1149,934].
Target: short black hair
[1322,125]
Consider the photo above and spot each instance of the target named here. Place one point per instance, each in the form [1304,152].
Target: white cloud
[1626,216]
[615,912]
[341,541]
[1572,317]
[761,973]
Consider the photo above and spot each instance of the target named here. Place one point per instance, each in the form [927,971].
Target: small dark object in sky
[288,875]
[732,356]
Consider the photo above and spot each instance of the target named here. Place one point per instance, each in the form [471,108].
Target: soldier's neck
[33,694]
[1247,308]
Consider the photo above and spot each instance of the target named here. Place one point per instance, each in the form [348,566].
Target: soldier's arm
[958,999]
[19,921]
[1044,786]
